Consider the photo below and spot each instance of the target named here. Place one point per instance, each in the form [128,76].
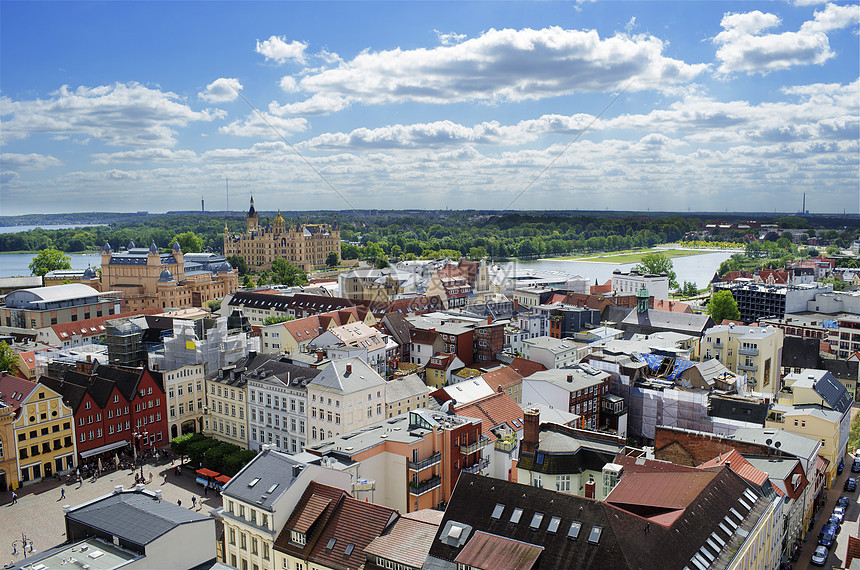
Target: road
[38,512]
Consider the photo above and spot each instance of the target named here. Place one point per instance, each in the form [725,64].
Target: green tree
[246,282]
[237,262]
[214,304]
[179,445]
[275,319]
[381,262]
[689,289]
[332,259]
[832,249]
[723,306]
[189,242]
[658,263]
[8,358]
[349,251]
[49,260]
[286,273]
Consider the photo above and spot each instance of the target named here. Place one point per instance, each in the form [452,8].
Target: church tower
[279,224]
[252,217]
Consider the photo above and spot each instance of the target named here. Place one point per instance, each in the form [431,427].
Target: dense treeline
[428,234]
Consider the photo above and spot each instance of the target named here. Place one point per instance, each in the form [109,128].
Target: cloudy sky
[702,106]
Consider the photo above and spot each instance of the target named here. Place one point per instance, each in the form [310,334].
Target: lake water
[16,264]
[15,229]
[699,269]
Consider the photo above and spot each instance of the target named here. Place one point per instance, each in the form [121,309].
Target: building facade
[186,396]
[41,307]
[754,351]
[225,414]
[304,245]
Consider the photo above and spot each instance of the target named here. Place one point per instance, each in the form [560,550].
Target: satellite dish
[777,445]
[768,441]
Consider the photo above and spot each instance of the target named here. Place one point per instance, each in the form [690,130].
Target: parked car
[851,484]
[819,557]
[843,502]
[855,465]
[838,514]
[827,536]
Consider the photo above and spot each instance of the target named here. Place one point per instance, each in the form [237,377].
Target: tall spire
[252,213]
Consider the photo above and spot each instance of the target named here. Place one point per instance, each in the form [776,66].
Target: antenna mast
[227,183]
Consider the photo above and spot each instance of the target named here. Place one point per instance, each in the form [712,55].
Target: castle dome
[165,276]
[107,247]
[176,248]
[90,273]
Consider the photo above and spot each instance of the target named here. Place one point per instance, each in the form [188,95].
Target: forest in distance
[424,234]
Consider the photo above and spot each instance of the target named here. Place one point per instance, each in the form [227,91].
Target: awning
[207,473]
[102,449]
[222,479]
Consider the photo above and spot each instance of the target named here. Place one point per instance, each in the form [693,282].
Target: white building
[347,395]
[630,283]
[554,352]
[357,340]
[277,403]
[186,396]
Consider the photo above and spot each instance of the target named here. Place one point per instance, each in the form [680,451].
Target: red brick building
[115,408]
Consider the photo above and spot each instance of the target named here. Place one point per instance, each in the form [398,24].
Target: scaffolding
[123,338]
[202,341]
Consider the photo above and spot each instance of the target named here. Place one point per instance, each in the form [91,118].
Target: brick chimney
[320,355]
[590,489]
[531,430]
[349,368]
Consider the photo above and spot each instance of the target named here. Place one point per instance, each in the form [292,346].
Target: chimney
[531,430]
[89,358]
[432,330]
[489,320]
[349,368]
[499,389]
[570,377]
[320,355]
[590,489]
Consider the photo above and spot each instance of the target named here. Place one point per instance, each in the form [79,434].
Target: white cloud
[32,161]
[277,49]
[500,65]
[631,25]
[743,48]
[254,126]
[318,104]
[449,38]
[126,114]
[145,155]
[289,84]
[222,90]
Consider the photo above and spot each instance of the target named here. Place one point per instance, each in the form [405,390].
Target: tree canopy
[332,259]
[8,358]
[723,306]
[658,263]
[275,319]
[49,260]
[189,242]
[285,273]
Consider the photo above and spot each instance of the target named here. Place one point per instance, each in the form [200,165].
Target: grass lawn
[630,256]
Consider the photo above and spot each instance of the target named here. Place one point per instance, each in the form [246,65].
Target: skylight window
[272,488]
[497,512]
[254,482]
[536,520]
[594,535]
[575,527]
[349,548]
[330,544]
[554,523]
[515,516]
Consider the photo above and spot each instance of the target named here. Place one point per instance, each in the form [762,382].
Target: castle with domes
[148,279]
[305,246]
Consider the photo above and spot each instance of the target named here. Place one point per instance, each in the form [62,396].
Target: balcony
[750,367]
[483,442]
[425,486]
[748,351]
[476,468]
[506,446]
[425,463]
[718,343]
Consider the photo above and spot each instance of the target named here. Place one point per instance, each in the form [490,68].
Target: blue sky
[126,106]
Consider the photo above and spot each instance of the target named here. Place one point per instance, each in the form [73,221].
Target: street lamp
[26,546]
[141,437]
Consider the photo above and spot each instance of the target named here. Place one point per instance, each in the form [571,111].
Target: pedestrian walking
[179,502]
[14,498]
[193,501]
[150,476]
[206,489]
[63,493]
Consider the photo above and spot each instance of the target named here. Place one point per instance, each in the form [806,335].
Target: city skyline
[702,106]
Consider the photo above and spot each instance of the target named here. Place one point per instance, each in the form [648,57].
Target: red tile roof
[503,378]
[409,540]
[493,410]
[739,465]
[14,390]
[526,367]
[485,550]
[95,326]
[309,515]
[666,494]
[355,523]
[853,550]
[441,361]
[601,289]
[671,306]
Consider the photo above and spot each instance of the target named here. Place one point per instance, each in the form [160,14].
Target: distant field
[630,256]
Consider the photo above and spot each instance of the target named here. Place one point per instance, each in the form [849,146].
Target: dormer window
[298,537]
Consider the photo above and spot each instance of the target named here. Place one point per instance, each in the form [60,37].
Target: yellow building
[186,396]
[816,405]
[8,465]
[225,412]
[148,279]
[754,351]
[306,246]
[43,424]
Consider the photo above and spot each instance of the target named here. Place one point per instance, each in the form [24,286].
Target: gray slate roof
[270,468]
[134,516]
